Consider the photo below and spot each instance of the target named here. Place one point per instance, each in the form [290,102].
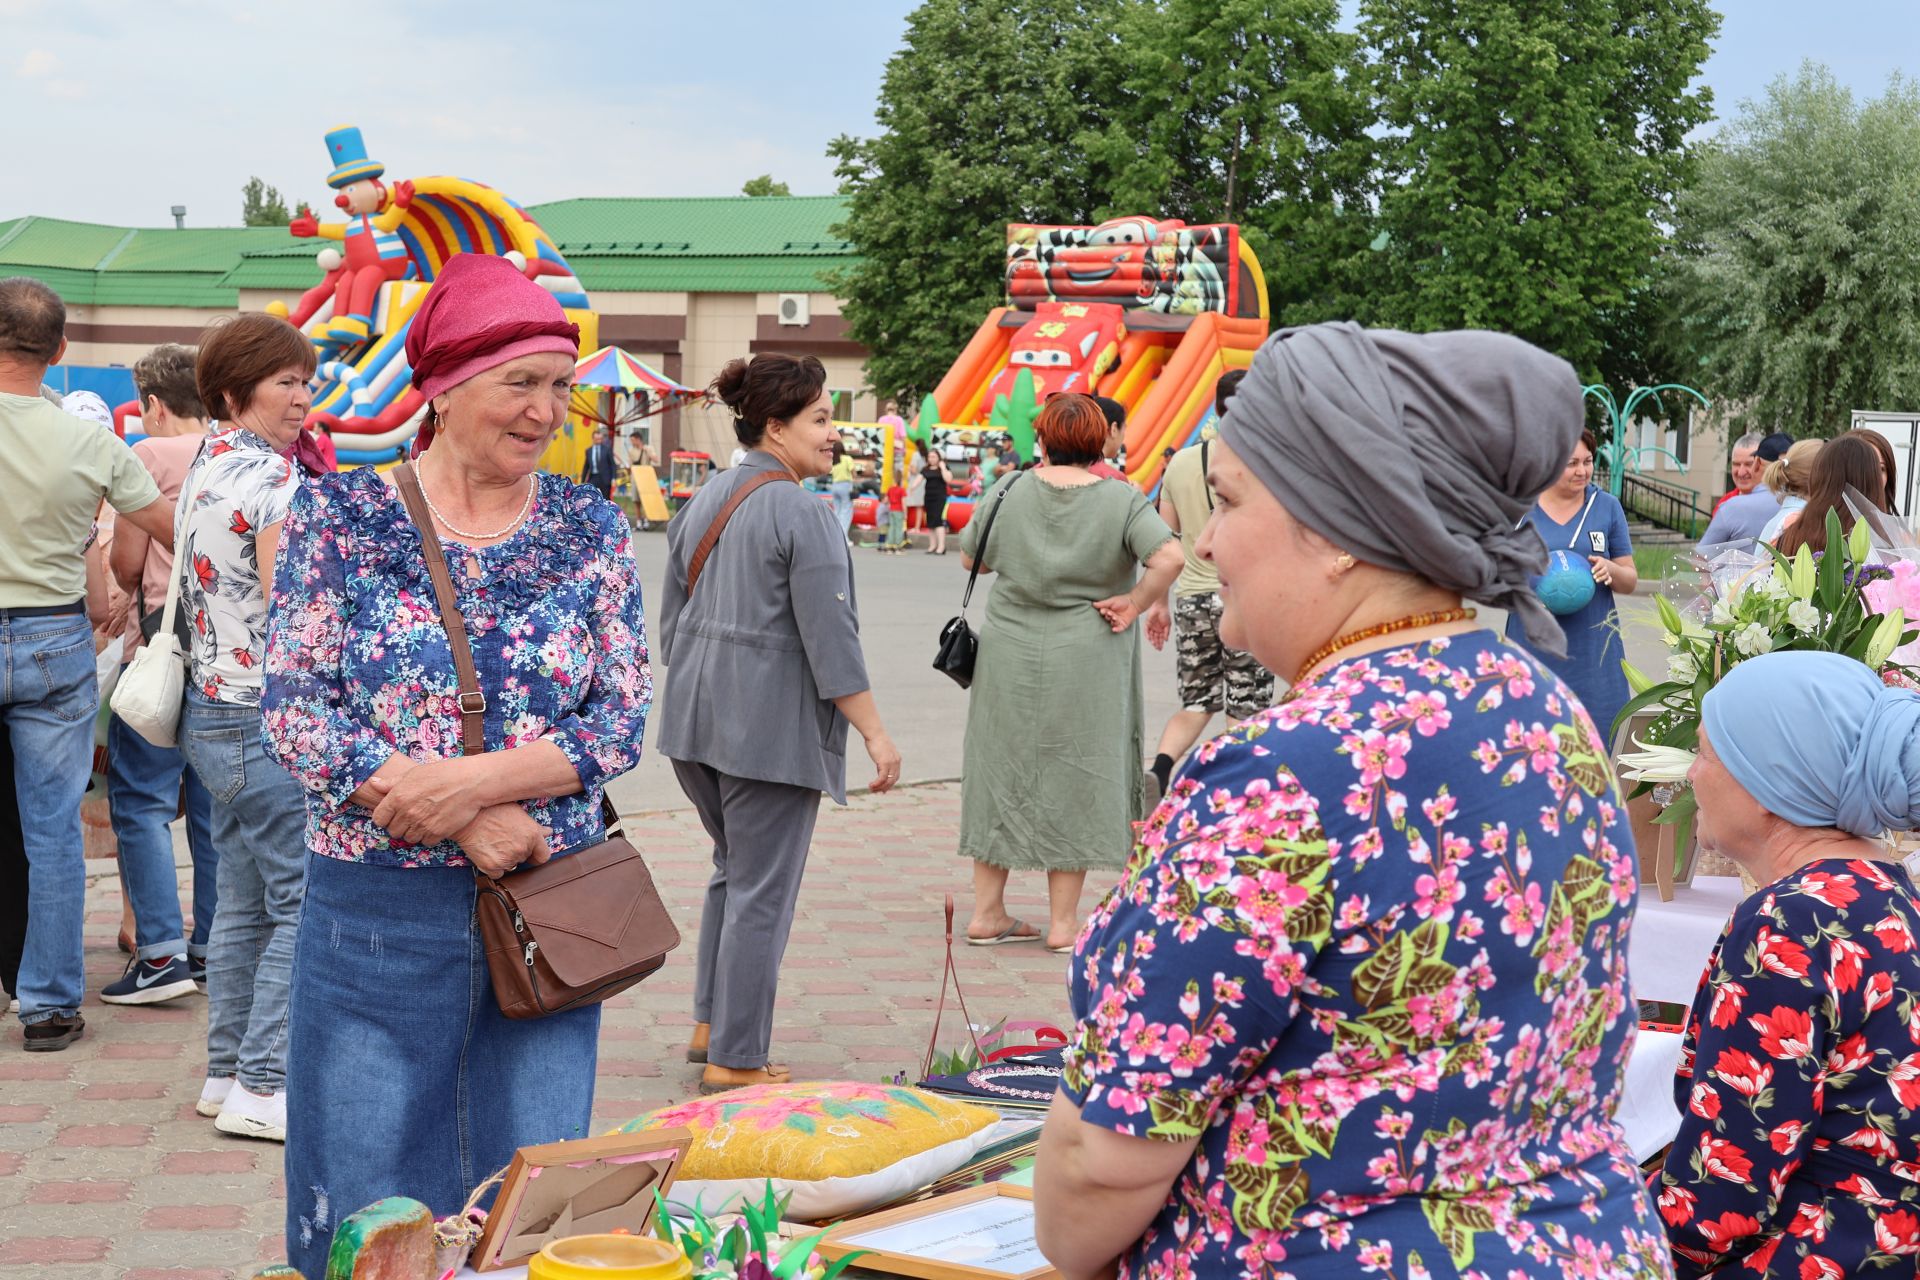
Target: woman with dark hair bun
[760,628]
[1052,778]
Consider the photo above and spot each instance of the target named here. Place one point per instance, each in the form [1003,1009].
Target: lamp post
[1615,452]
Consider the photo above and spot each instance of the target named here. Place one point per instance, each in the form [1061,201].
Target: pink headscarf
[480,313]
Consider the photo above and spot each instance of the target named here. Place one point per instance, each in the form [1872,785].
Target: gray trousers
[761,831]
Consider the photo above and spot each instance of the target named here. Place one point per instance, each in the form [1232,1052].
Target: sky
[119,109]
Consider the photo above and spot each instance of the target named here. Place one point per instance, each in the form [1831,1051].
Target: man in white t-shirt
[54,470]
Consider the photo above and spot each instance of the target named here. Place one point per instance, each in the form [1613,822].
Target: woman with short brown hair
[252,375]
[1052,780]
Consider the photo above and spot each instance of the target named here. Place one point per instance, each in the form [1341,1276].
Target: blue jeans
[48,698]
[404,1078]
[144,793]
[48,701]
[842,491]
[259,833]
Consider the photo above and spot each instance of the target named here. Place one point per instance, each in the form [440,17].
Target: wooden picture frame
[578,1187]
[879,1239]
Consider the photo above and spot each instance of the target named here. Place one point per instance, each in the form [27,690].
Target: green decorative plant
[1802,602]
[750,1248]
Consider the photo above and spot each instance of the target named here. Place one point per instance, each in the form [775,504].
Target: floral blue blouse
[358,665]
[1371,954]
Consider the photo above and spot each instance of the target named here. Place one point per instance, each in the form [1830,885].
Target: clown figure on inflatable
[393,246]
[372,252]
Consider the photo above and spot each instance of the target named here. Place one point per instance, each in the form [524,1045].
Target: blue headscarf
[1818,740]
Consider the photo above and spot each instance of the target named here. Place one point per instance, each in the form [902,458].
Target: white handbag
[154,685]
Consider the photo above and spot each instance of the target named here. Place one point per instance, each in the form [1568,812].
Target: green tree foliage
[1796,276]
[1244,111]
[262,206]
[986,114]
[764,185]
[1528,155]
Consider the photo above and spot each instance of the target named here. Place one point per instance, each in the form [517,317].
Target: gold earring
[1342,563]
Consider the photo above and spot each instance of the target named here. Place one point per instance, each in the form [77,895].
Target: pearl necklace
[501,532]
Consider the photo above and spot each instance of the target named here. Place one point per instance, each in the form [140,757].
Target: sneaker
[53,1034]
[151,982]
[197,966]
[213,1094]
[246,1114]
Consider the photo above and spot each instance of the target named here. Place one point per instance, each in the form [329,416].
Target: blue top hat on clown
[373,251]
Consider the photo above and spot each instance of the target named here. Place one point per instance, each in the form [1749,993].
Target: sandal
[1012,933]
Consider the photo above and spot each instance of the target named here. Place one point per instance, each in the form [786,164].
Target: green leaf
[1588,769]
[1451,1228]
[1386,976]
[1177,1115]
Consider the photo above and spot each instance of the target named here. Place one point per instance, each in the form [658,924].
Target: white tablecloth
[1672,940]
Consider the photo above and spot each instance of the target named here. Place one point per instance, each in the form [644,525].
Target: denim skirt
[403,1078]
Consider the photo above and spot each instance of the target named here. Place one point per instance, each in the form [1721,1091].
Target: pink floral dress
[1371,952]
[1799,1147]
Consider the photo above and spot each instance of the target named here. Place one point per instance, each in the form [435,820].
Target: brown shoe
[697,1046]
[50,1035]
[718,1079]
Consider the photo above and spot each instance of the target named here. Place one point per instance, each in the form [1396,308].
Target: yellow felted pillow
[834,1146]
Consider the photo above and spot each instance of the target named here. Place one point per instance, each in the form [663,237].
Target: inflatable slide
[1193,305]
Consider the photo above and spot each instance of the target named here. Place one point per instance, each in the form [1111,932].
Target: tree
[1796,275]
[1245,111]
[764,185]
[1529,155]
[262,205]
[986,114]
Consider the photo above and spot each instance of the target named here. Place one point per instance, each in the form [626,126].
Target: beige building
[682,284]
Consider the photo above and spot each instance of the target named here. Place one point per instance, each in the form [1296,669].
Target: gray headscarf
[1416,452]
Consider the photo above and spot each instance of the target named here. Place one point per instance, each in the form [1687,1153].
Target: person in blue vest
[1585,530]
[369,240]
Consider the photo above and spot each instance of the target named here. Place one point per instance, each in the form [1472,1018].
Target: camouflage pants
[1212,676]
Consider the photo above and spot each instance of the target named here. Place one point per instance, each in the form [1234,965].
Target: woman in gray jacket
[766,673]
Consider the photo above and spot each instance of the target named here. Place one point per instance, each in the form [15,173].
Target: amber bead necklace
[1409,623]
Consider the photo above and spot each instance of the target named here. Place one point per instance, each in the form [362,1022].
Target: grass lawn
[1661,562]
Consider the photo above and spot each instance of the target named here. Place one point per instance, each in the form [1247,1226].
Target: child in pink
[896,540]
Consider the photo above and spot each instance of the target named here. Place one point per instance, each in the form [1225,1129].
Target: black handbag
[959,646]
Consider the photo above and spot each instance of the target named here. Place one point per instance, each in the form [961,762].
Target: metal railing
[1668,505]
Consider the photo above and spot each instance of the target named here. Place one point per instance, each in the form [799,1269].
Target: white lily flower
[1683,668]
[1656,764]
[1753,640]
[1803,616]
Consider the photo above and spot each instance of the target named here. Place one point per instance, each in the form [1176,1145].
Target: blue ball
[1567,585]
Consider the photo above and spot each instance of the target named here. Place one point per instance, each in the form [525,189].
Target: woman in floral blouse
[1799,1087]
[1359,1003]
[405,1079]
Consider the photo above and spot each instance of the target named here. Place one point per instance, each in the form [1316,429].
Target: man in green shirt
[54,470]
[1212,677]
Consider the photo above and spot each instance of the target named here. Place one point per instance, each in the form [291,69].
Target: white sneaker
[212,1094]
[246,1114]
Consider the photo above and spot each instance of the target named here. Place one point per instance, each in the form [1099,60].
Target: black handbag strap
[472,701]
[986,531]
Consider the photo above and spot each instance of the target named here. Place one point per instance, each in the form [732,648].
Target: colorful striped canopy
[612,369]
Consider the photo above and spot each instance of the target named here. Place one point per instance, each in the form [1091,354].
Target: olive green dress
[1053,752]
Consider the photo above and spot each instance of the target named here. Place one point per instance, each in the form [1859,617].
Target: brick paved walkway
[105,1170]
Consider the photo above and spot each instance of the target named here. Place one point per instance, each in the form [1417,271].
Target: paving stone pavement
[106,1172]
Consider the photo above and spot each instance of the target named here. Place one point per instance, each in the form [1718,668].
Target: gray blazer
[773,636]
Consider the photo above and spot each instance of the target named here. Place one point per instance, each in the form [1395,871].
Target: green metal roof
[733,244]
[93,264]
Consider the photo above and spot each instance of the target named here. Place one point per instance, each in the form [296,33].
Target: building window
[842,405]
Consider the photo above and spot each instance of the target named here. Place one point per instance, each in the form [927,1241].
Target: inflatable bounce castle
[1148,312]
[389,250]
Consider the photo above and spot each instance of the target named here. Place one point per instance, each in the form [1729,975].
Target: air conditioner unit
[796,308]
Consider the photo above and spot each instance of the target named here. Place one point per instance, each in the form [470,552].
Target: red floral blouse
[1799,1086]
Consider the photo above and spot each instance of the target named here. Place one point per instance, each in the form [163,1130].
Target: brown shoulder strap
[712,536]
[473,703]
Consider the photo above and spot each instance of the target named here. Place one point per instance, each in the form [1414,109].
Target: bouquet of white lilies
[1756,602]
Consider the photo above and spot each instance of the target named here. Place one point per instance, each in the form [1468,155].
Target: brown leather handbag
[572,931]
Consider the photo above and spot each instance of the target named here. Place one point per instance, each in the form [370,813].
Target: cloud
[38,63]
